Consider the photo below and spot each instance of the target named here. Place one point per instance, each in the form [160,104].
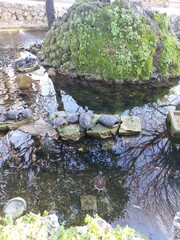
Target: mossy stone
[114,41]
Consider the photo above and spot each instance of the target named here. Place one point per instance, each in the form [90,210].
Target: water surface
[142,171]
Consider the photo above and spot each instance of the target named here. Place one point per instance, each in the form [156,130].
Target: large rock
[117,41]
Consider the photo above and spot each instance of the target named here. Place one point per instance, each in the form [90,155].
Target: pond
[142,171]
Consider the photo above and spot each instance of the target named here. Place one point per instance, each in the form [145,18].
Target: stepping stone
[100,131]
[173,118]
[39,128]
[70,132]
[130,125]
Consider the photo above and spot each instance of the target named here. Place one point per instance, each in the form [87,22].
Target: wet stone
[39,128]
[100,131]
[13,124]
[88,202]
[70,132]
[130,125]
[173,118]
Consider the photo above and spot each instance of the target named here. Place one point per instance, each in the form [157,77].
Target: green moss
[110,43]
[169,63]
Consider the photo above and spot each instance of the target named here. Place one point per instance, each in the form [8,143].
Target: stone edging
[26,15]
[31,15]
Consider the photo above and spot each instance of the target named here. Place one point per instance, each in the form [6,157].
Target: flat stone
[88,202]
[15,207]
[130,125]
[13,124]
[70,132]
[100,131]
[39,128]
[173,118]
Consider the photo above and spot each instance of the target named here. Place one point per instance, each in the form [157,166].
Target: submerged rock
[88,202]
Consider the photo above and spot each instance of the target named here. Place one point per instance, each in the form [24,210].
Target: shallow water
[142,172]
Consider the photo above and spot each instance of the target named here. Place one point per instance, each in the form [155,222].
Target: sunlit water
[142,172]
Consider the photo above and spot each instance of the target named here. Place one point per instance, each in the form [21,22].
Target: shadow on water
[142,172]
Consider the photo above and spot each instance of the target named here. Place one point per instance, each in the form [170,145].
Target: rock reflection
[142,174]
[107,98]
[59,192]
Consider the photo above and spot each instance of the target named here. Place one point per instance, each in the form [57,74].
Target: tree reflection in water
[152,160]
[142,175]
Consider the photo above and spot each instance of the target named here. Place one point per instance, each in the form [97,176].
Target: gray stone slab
[173,118]
[130,125]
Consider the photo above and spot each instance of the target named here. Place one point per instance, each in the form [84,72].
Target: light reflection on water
[22,38]
[142,172]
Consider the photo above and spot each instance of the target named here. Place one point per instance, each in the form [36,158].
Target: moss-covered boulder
[117,41]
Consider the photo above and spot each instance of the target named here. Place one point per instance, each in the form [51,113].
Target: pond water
[142,172]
